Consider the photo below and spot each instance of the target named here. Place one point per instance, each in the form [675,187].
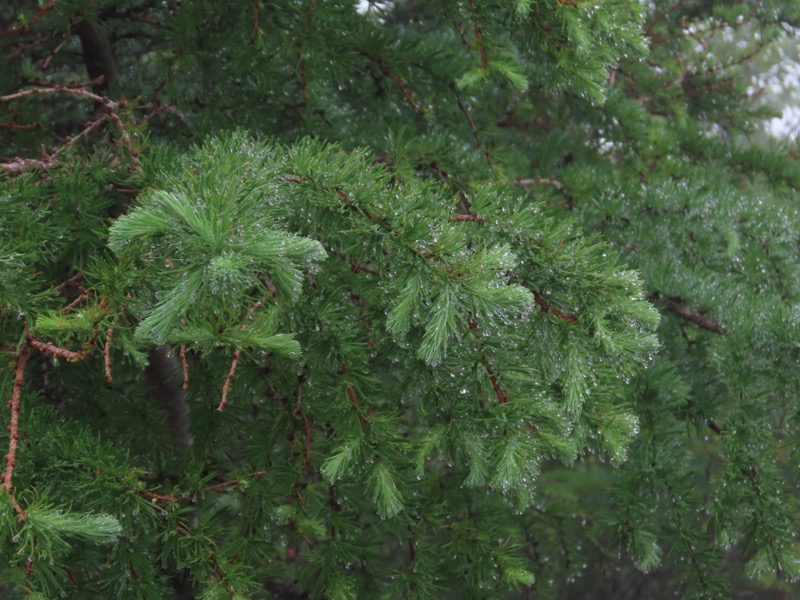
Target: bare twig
[224,401]
[107,354]
[13,428]
[551,309]
[185,366]
[42,12]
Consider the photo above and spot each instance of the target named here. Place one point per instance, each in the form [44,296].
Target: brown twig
[478,36]
[254,33]
[501,397]
[19,127]
[224,401]
[185,365]
[109,106]
[107,354]
[472,218]
[13,428]
[58,352]
[400,83]
[472,127]
[175,498]
[699,318]
[551,309]
[42,12]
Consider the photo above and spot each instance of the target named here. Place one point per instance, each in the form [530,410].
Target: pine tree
[323,299]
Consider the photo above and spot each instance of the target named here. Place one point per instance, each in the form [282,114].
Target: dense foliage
[427,299]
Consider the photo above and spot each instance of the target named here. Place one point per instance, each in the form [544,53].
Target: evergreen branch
[109,106]
[24,29]
[501,397]
[174,498]
[551,309]
[400,83]
[478,36]
[472,127]
[13,428]
[699,318]
[58,352]
[351,393]
[224,401]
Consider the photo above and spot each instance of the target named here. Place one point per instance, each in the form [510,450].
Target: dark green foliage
[420,300]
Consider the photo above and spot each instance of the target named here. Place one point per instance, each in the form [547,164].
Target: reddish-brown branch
[400,83]
[472,127]
[107,354]
[71,282]
[351,393]
[675,304]
[19,126]
[109,106]
[13,427]
[298,410]
[501,397]
[58,352]
[185,365]
[552,309]
[74,303]
[472,218]
[478,40]
[42,12]
[231,373]
[175,498]
[254,33]
[358,267]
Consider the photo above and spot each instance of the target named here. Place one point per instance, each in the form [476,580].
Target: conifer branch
[68,355]
[224,401]
[400,83]
[109,106]
[472,127]
[35,19]
[551,309]
[13,428]
[699,318]
[501,397]
[192,496]
[478,36]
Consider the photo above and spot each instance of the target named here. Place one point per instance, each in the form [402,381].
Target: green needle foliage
[410,299]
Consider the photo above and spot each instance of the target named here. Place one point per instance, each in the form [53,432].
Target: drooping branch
[13,428]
